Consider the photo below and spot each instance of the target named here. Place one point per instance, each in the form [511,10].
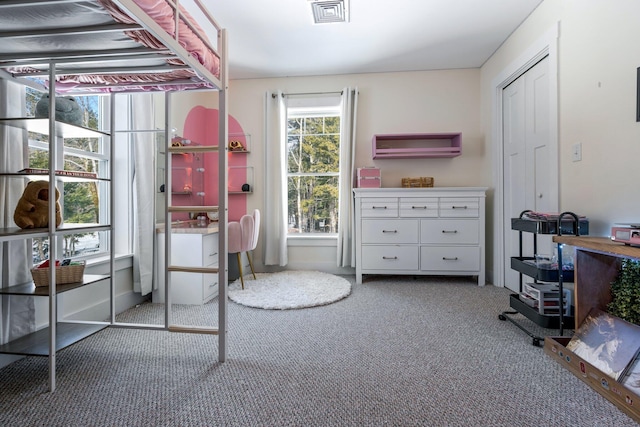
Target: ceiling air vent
[325,11]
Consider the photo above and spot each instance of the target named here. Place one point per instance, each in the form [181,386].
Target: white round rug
[289,289]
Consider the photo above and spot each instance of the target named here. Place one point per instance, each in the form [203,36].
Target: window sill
[312,240]
[100,262]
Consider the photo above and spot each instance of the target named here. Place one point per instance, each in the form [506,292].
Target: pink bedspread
[163,14]
[69,15]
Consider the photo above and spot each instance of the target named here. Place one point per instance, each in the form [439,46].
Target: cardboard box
[624,398]
[369,177]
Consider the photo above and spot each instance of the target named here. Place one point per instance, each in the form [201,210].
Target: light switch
[576,152]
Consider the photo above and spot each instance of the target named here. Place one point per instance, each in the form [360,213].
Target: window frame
[102,157]
[309,110]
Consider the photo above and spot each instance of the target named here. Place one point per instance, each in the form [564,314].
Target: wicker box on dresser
[420,231]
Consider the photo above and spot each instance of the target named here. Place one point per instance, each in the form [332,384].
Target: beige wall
[406,102]
[597,60]
[409,102]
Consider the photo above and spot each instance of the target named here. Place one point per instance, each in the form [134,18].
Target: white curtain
[346,254]
[275,215]
[143,193]
[17,313]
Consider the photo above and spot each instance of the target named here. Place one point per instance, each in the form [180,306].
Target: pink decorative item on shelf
[369,177]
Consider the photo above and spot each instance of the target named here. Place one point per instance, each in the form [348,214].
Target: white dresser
[191,246]
[420,231]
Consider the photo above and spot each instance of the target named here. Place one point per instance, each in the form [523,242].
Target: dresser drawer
[449,231]
[389,231]
[390,257]
[418,207]
[379,207]
[450,258]
[210,250]
[467,207]
[209,286]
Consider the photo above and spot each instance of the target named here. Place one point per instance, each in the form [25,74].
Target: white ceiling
[277,38]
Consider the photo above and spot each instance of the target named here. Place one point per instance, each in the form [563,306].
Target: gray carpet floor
[396,352]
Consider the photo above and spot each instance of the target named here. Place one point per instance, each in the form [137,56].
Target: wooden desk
[597,262]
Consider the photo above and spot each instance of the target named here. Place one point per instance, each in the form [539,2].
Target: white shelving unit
[47,65]
[58,334]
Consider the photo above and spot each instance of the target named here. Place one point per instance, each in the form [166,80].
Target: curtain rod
[273,95]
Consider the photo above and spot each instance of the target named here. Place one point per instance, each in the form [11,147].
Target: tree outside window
[81,200]
[313,169]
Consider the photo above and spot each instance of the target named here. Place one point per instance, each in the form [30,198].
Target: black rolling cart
[544,301]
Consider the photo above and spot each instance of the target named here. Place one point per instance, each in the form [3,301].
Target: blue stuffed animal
[67,109]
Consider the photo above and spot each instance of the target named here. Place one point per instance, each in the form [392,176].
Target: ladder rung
[206,270]
[138,326]
[193,329]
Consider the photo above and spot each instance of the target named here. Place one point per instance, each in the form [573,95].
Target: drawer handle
[459,207]
[419,207]
[213,254]
[450,259]
[389,231]
[449,231]
[379,207]
[389,257]
[213,284]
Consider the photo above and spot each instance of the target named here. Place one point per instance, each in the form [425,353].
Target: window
[313,169]
[83,202]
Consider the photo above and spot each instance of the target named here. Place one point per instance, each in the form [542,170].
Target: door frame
[546,45]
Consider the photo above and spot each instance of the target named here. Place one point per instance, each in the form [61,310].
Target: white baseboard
[101,309]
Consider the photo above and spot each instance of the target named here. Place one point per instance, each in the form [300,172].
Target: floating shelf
[239,176]
[239,143]
[405,146]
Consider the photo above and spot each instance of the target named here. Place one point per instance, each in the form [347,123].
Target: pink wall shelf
[411,145]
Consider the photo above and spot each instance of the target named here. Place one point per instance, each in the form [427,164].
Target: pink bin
[369,177]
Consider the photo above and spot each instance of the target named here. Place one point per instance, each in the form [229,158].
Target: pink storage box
[369,177]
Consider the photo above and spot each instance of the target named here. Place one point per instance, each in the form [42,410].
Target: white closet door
[530,160]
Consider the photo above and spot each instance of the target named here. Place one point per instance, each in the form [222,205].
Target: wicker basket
[64,274]
[423,181]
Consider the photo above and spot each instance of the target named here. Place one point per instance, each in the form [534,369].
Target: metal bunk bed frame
[56,63]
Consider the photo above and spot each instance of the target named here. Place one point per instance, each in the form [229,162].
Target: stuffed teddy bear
[67,109]
[32,210]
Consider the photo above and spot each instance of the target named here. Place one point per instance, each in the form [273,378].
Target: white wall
[598,56]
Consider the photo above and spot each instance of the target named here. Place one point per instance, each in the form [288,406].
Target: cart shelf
[536,223]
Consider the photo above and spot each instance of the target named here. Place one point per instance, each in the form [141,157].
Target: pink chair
[243,237]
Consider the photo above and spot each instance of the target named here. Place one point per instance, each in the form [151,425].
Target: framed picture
[631,379]
[606,342]
[638,95]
